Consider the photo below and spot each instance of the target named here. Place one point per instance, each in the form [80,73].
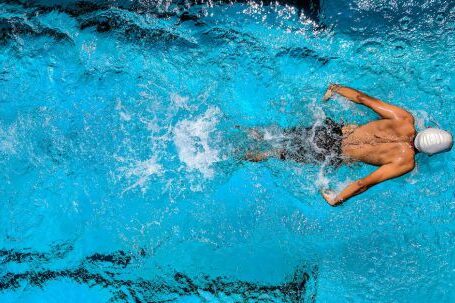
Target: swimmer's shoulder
[405,127]
[407,156]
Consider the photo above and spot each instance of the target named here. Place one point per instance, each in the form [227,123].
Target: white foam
[142,171]
[342,185]
[422,119]
[192,139]
[179,101]
[413,176]
[316,110]
[8,141]
[123,113]
[272,134]
[322,182]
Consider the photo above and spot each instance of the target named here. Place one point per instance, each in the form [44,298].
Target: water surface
[120,171]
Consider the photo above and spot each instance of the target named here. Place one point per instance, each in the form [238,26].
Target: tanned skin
[386,143]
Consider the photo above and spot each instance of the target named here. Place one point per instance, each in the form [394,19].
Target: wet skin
[387,143]
[379,142]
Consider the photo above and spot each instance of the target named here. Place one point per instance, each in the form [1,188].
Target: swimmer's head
[433,140]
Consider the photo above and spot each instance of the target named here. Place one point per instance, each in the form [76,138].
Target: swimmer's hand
[330,91]
[330,197]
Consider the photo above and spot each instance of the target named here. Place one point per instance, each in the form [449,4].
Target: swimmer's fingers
[326,197]
[329,196]
[330,91]
[328,94]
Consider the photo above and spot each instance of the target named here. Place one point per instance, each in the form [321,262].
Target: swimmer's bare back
[386,142]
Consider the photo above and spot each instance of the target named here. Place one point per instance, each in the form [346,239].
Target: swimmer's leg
[252,133]
[255,134]
[261,133]
[262,156]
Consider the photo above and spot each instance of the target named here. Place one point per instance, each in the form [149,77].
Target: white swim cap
[433,141]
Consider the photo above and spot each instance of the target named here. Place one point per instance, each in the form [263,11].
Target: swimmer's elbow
[410,165]
[407,167]
[362,185]
[367,182]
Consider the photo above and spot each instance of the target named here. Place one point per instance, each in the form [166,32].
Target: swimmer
[390,143]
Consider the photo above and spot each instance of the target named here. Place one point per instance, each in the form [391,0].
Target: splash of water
[192,139]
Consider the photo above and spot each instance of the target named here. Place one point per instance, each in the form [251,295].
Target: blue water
[120,173]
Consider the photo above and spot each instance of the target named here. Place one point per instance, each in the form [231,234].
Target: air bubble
[440,18]
[399,47]
[451,13]
[388,13]
[405,23]
[450,41]
[369,48]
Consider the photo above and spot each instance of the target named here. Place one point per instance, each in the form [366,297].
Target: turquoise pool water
[120,170]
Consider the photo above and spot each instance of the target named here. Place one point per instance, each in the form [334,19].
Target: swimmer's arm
[385,172]
[383,109]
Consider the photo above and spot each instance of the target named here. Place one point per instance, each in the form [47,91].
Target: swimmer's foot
[256,157]
[255,134]
[261,156]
